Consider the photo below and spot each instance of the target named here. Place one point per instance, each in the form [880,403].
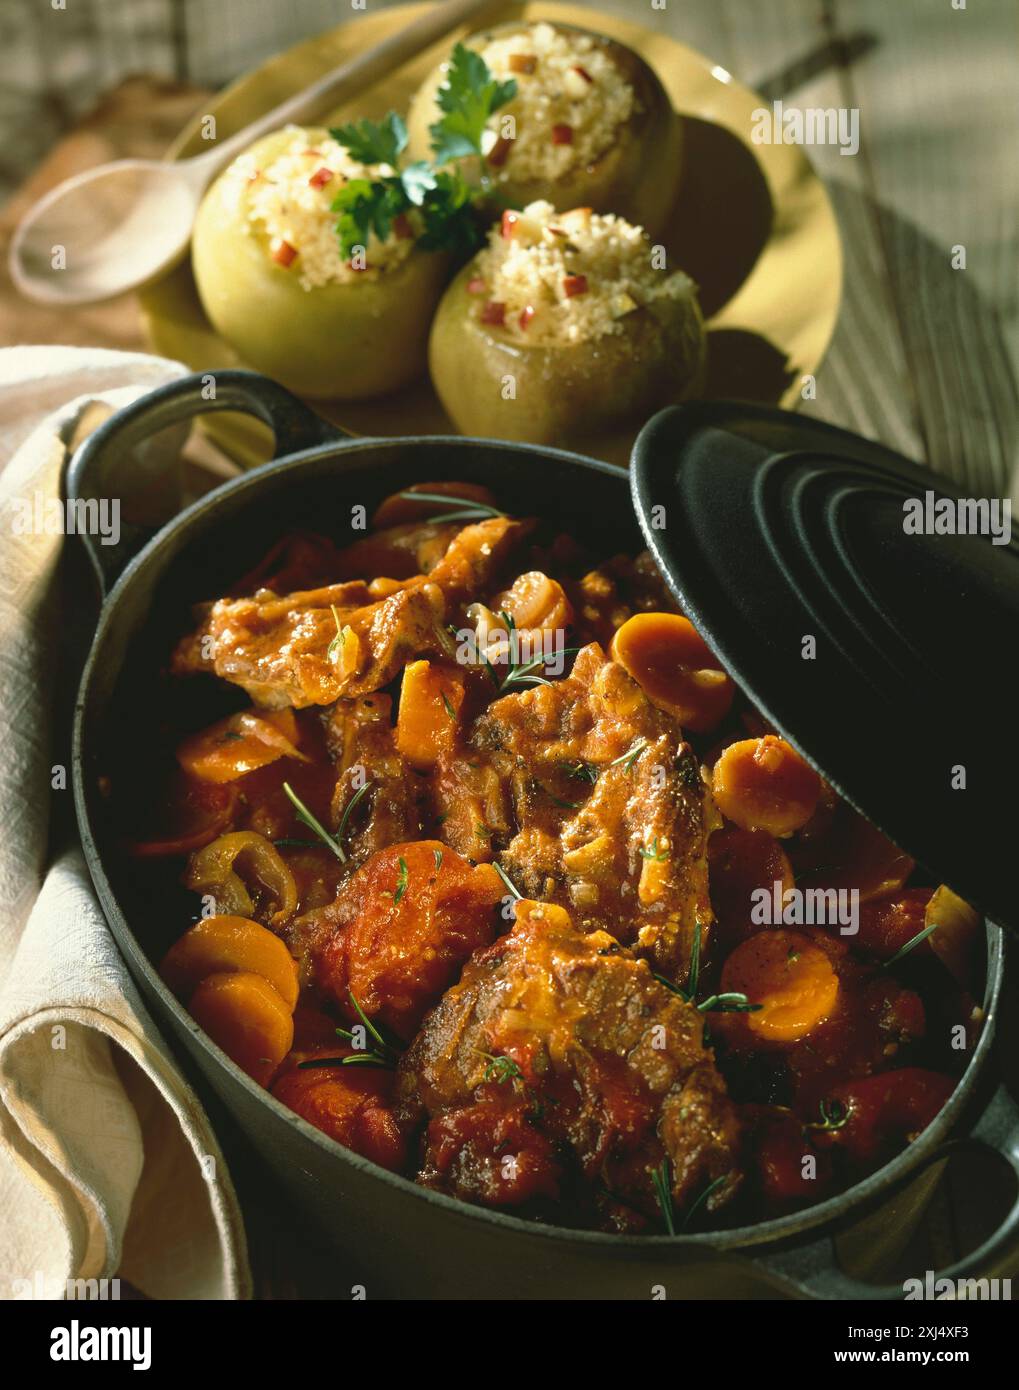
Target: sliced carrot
[676,669]
[247,1018]
[353,1104]
[430,699]
[792,979]
[240,744]
[221,944]
[764,784]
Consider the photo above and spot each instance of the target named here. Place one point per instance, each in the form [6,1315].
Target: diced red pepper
[283,253]
[493,312]
[321,177]
[522,62]
[562,135]
[402,227]
[526,315]
[583,72]
[499,152]
[476,286]
[574,285]
[509,222]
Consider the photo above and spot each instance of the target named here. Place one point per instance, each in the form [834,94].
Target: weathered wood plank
[938,97]
[793,51]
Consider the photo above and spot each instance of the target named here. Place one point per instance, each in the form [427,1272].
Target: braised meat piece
[345,640]
[397,552]
[610,813]
[310,648]
[491,1153]
[605,597]
[398,932]
[572,1033]
[361,742]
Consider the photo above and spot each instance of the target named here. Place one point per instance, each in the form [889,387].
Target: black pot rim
[814,1220]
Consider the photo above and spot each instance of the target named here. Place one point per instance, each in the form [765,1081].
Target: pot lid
[830,577]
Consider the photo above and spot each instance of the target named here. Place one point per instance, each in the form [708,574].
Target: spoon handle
[352,77]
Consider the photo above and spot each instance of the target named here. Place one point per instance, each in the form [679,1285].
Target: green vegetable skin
[563,394]
[338,341]
[638,178]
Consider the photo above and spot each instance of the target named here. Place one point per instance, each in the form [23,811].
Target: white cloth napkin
[108,1165]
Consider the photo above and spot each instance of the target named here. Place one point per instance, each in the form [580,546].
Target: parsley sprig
[436,193]
[467,99]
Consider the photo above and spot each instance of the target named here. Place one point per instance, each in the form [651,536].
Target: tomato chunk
[400,930]
[349,1103]
[882,1113]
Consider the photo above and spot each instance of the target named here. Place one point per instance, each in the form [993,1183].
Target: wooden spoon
[114,228]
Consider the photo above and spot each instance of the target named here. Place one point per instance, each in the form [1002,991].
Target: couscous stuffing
[285,200]
[555,278]
[571,101]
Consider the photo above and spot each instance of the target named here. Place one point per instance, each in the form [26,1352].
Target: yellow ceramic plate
[753,227]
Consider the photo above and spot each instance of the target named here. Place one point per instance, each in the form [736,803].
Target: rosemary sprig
[303,814]
[661,1178]
[581,771]
[911,944]
[692,974]
[500,1069]
[558,801]
[631,755]
[833,1117]
[337,643]
[701,1201]
[508,881]
[382,1051]
[729,1003]
[361,791]
[472,511]
[520,672]
[401,882]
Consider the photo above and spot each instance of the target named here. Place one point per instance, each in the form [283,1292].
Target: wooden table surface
[926,351]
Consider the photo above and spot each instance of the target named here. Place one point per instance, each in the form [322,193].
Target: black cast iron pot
[407,1241]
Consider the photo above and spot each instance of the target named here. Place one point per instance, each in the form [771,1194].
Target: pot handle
[91,472]
[811,1271]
